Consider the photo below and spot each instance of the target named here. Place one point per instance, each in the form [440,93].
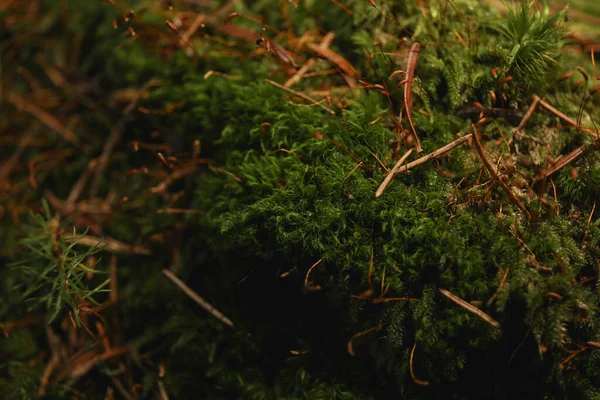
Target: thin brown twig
[564,117]
[325,43]
[435,153]
[109,244]
[199,300]
[44,117]
[391,174]
[412,372]
[589,221]
[80,184]
[411,64]
[528,114]
[306,285]
[470,308]
[357,335]
[115,137]
[301,95]
[494,174]
[566,160]
[500,287]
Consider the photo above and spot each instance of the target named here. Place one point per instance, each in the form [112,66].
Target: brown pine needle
[494,174]
[589,221]
[390,175]
[301,95]
[412,372]
[500,287]
[435,154]
[199,300]
[357,335]
[528,114]
[327,39]
[470,308]
[306,285]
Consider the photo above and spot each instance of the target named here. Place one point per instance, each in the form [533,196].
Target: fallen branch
[390,175]
[435,153]
[470,308]
[199,300]
[494,174]
[327,39]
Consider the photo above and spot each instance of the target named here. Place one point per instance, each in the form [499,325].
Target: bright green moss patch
[188,157]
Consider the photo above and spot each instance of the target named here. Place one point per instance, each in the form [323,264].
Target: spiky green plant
[534,42]
[54,272]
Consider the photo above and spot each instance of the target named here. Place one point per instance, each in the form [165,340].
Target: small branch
[44,117]
[587,228]
[357,335]
[412,372]
[563,116]
[528,114]
[470,308]
[411,64]
[566,160]
[435,153]
[110,245]
[327,39]
[500,287]
[199,300]
[494,174]
[390,175]
[301,95]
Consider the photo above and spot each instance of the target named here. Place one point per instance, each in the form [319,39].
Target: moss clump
[177,145]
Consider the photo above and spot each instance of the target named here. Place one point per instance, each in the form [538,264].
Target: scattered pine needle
[199,300]
[308,287]
[470,308]
[301,95]
[357,335]
[412,372]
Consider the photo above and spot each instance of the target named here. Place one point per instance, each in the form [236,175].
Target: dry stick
[335,58]
[110,245]
[357,335]
[435,153]
[500,287]
[8,165]
[470,308]
[113,139]
[492,171]
[194,296]
[413,56]
[44,117]
[80,184]
[301,95]
[566,160]
[306,285]
[564,116]
[588,225]
[412,373]
[528,114]
[325,43]
[390,175]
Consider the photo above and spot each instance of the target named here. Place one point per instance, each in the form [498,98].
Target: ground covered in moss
[289,200]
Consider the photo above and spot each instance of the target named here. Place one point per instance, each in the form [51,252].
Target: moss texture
[163,131]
